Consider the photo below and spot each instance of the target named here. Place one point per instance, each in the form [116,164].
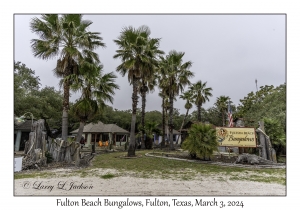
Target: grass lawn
[152,167]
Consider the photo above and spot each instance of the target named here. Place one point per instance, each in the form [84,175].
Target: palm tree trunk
[131,148]
[199,112]
[65,122]
[143,117]
[171,122]
[186,114]
[80,131]
[223,118]
[163,143]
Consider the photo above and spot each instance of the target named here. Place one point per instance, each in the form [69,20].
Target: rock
[253,159]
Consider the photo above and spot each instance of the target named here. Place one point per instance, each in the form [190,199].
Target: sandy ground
[130,185]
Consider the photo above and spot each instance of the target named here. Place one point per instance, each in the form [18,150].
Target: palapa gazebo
[95,132]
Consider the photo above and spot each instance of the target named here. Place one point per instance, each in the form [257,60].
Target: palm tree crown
[222,104]
[96,90]
[201,95]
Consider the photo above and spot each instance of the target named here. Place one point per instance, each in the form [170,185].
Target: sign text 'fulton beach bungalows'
[236,137]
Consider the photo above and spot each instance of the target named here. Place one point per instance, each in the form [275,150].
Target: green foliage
[43,103]
[275,131]
[268,102]
[201,140]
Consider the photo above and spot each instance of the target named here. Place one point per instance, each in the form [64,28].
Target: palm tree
[201,94]
[148,80]
[188,96]
[222,105]
[96,89]
[66,37]
[177,75]
[133,52]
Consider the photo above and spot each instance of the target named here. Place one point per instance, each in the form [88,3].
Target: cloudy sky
[227,51]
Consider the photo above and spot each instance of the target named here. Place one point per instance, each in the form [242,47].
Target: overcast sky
[227,51]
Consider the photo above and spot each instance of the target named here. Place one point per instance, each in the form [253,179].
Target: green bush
[275,130]
[201,141]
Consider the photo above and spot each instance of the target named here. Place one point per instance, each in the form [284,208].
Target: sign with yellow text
[236,137]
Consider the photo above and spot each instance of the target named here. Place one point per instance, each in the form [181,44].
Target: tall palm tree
[148,80]
[188,97]
[67,38]
[134,56]
[201,94]
[177,76]
[222,104]
[96,90]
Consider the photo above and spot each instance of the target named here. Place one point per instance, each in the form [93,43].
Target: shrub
[201,141]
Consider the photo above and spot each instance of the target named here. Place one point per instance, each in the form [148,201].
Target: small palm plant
[201,141]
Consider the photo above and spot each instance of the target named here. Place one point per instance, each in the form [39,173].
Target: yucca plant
[201,141]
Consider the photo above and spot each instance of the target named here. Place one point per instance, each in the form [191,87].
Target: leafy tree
[177,76]
[67,37]
[201,140]
[154,116]
[201,94]
[275,130]
[133,52]
[43,103]
[268,104]
[25,82]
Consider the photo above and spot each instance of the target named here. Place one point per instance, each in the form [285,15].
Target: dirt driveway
[64,183]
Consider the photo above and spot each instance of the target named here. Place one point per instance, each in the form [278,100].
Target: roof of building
[101,128]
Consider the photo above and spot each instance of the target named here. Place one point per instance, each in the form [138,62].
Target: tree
[201,94]
[43,103]
[201,140]
[163,97]
[67,37]
[188,96]
[133,52]
[25,83]
[268,104]
[275,131]
[222,105]
[96,89]
[177,76]
[148,80]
